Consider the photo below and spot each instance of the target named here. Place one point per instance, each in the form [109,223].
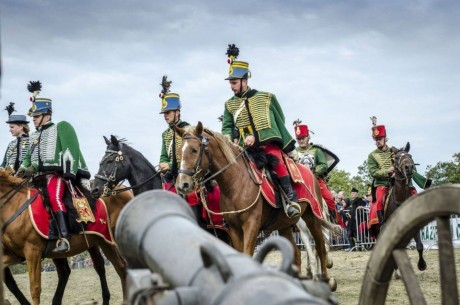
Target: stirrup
[58,246]
[293,210]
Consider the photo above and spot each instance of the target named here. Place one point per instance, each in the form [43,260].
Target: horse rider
[314,157]
[53,159]
[260,121]
[170,146]
[381,169]
[17,148]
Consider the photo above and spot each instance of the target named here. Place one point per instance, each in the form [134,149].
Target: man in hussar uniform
[53,159]
[313,156]
[380,166]
[171,143]
[260,121]
[17,149]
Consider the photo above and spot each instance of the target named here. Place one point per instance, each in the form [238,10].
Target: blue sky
[333,64]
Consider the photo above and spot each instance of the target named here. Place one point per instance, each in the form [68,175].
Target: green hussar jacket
[378,163]
[318,157]
[15,152]
[166,146]
[55,148]
[257,113]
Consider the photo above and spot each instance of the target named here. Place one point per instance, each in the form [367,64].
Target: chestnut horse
[21,240]
[244,208]
[400,190]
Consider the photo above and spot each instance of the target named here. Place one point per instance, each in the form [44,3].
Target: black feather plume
[34,86]
[221,118]
[233,51]
[165,84]
[10,108]
[297,122]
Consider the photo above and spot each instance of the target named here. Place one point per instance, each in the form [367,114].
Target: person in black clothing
[355,203]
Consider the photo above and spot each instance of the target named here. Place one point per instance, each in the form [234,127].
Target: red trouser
[326,194]
[274,150]
[56,188]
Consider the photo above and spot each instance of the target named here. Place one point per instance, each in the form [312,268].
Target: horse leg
[12,286]
[305,236]
[287,233]
[63,271]
[99,266]
[118,262]
[421,262]
[250,233]
[33,256]
[236,236]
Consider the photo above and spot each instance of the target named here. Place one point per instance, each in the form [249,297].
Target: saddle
[45,226]
[302,179]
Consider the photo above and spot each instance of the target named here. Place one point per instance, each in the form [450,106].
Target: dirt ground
[348,270]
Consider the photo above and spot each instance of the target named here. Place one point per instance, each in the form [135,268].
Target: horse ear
[114,140]
[407,148]
[394,150]
[199,129]
[107,141]
[180,131]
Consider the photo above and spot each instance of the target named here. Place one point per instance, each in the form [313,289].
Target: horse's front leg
[32,255]
[421,265]
[250,233]
[287,233]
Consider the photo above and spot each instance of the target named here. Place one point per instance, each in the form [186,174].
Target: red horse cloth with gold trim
[304,185]
[41,219]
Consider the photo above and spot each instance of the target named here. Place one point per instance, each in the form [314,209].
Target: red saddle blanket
[303,183]
[40,219]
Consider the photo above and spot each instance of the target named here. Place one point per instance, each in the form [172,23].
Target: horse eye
[194,150]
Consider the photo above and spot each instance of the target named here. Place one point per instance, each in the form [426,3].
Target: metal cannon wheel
[434,204]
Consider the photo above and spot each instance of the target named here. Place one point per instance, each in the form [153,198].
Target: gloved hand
[24,172]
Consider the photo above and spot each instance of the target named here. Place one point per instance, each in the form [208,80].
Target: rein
[112,177]
[201,182]
[13,191]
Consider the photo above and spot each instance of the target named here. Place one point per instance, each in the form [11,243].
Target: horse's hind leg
[99,266]
[32,256]
[12,286]
[421,261]
[118,262]
[63,271]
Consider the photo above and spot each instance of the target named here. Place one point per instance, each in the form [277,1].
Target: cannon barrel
[186,265]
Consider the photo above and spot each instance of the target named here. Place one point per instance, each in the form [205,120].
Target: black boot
[380,216]
[63,242]
[292,208]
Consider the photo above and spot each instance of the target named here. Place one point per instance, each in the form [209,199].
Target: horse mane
[7,178]
[224,144]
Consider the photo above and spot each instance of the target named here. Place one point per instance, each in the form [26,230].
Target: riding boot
[333,215]
[63,242]
[380,216]
[292,208]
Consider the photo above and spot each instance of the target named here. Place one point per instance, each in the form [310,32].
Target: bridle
[111,178]
[400,160]
[201,181]
[204,141]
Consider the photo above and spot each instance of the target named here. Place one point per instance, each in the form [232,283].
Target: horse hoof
[421,266]
[332,284]
[329,263]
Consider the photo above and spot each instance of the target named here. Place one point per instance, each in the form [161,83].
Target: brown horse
[400,190]
[244,208]
[21,240]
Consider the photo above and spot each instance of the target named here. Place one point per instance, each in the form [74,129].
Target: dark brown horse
[243,206]
[401,189]
[21,240]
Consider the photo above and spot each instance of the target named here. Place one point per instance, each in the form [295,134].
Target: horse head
[195,158]
[403,163]
[113,168]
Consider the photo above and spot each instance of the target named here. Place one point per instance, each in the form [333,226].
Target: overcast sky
[333,64]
